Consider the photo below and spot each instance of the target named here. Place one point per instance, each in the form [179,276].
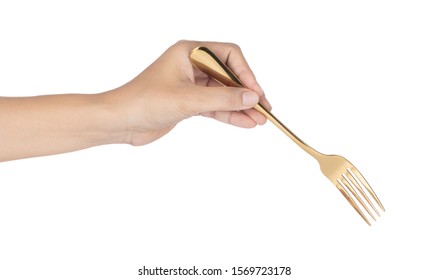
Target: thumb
[209,99]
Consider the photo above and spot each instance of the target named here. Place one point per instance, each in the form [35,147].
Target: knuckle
[186,45]
[234,46]
[180,44]
[231,100]
[183,42]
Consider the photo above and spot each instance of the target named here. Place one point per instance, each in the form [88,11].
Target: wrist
[109,120]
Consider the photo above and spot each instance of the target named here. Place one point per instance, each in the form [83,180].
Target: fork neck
[312,152]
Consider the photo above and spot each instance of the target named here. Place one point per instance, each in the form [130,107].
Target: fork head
[352,185]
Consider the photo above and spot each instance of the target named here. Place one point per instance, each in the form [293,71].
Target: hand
[139,112]
[171,90]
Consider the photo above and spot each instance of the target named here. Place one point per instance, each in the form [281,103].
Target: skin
[141,111]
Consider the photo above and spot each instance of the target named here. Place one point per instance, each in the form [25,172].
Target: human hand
[171,90]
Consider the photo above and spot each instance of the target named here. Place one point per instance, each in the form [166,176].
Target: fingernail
[250,98]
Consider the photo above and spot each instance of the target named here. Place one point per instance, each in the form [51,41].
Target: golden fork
[337,169]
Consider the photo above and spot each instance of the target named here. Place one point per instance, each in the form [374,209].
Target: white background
[349,77]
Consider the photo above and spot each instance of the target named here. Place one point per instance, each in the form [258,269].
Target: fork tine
[352,188]
[363,182]
[359,188]
[340,186]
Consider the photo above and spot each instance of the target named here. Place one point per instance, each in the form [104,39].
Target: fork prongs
[355,182]
[342,188]
[361,180]
[351,187]
[355,188]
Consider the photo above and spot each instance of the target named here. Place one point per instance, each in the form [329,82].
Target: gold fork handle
[205,60]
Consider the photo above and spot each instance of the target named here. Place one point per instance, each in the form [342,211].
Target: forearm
[137,113]
[45,125]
